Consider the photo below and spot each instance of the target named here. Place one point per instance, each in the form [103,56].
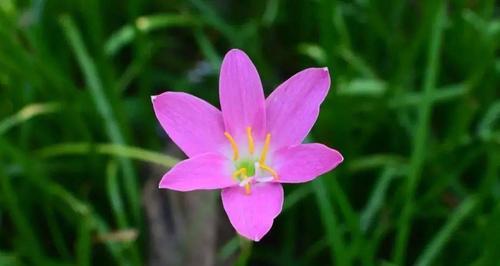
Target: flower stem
[246,250]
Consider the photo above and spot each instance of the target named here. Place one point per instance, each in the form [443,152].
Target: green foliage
[413,107]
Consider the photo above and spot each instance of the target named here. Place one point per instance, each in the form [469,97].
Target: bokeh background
[414,107]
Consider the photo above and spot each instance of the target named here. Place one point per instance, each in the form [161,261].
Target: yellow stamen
[251,146]
[247,189]
[233,146]
[270,170]
[265,149]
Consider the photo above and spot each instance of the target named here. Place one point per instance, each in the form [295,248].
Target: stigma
[251,169]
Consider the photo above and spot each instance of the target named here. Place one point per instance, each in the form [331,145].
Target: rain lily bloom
[252,146]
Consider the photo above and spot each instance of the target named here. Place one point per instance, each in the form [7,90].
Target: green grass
[414,108]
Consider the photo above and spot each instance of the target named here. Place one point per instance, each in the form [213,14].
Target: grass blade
[20,221]
[8,259]
[442,94]
[420,140]
[329,218]
[144,24]
[109,149]
[377,198]
[207,48]
[114,196]
[104,107]
[26,113]
[439,241]
[83,243]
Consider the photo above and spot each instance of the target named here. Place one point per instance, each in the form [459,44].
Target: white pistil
[246,181]
[257,169]
[264,179]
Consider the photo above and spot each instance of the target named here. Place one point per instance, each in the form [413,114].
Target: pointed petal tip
[322,72]
[254,237]
[192,123]
[337,154]
[162,185]
[236,54]
[235,51]
[241,95]
[337,158]
[341,157]
[290,117]
[326,72]
[158,96]
[253,217]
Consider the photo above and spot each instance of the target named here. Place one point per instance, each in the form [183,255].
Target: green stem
[246,251]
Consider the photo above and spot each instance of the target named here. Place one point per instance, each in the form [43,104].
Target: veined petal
[304,162]
[292,109]
[241,95]
[205,171]
[252,215]
[193,124]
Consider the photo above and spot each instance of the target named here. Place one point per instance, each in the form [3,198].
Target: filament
[251,146]
[233,146]
[270,170]
[265,149]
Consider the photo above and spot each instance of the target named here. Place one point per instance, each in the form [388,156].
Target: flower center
[249,169]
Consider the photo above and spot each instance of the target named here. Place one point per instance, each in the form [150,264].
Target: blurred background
[414,107]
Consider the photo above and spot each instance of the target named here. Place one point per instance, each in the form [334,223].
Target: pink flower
[252,146]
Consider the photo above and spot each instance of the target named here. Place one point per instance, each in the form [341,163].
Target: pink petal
[241,95]
[292,109]
[205,171]
[304,162]
[193,124]
[252,215]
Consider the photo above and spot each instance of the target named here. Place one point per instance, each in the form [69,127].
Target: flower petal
[205,171]
[292,109]
[241,95]
[193,124]
[304,162]
[252,215]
